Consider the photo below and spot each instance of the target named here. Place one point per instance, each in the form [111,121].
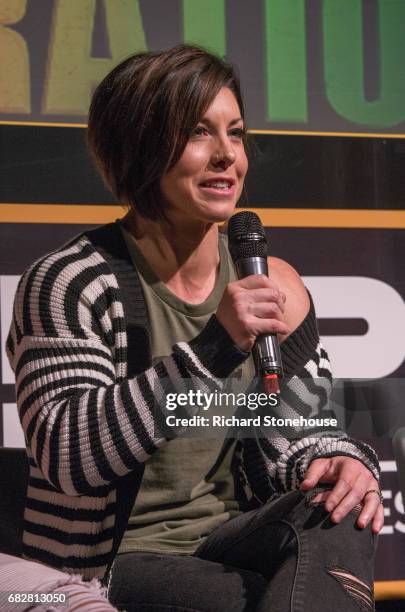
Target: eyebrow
[233,122]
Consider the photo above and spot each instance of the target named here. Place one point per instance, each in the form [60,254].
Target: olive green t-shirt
[179,502]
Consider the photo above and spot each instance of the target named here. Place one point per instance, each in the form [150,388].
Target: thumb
[316,470]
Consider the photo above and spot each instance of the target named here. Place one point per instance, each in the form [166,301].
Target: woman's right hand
[252,306]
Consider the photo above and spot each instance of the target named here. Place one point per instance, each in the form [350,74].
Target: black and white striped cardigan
[86,394]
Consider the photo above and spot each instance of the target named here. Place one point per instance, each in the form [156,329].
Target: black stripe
[184,373]
[60,367]
[26,297]
[188,362]
[151,401]
[298,464]
[61,351]
[71,514]
[75,289]
[77,473]
[10,342]
[291,465]
[29,432]
[162,429]
[88,539]
[121,356]
[70,562]
[41,483]
[132,411]
[367,450]
[321,394]
[170,387]
[18,331]
[96,446]
[99,307]
[121,447]
[292,399]
[325,373]
[47,284]
[40,438]
[69,383]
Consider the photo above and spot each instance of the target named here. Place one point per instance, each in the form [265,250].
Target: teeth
[218,184]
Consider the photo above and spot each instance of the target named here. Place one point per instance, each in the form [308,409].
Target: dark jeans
[286,556]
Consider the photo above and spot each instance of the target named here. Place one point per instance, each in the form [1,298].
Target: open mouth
[219,186]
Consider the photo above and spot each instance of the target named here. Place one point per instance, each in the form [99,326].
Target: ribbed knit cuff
[299,347]
[332,447]
[216,350]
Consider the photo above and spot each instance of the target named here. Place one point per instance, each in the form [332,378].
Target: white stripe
[98,286]
[108,444]
[56,360]
[120,339]
[126,428]
[74,526]
[41,381]
[38,405]
[66,550]
[62,284]
[82,502]
[197,363]
[145,415]
[35,308]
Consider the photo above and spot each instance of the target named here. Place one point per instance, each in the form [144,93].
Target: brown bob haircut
[142,114]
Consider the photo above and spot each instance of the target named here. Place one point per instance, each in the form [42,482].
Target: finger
[378,520]
[339,491]
[347,503]
[345,479]
[320,497]
[371,505]
[255,281]
[268,310]
[266,326]
[265,295]
[316,470]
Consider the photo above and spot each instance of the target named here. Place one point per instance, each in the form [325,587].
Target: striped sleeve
[85,423]
[276,459]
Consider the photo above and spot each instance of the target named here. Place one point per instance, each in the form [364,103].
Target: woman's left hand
[353,480]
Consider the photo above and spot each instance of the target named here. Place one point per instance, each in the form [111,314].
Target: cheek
[194,160]
[243,164]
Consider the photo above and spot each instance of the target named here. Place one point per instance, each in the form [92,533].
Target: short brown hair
[141,116]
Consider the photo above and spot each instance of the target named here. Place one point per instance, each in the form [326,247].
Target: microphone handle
[266,351]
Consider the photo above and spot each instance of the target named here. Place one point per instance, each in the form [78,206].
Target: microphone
[248,248]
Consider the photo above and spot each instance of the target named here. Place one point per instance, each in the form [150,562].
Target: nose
[223,155]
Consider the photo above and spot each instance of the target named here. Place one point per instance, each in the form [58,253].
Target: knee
[343,550]
[345,535]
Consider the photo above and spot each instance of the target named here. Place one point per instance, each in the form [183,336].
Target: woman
[108,324]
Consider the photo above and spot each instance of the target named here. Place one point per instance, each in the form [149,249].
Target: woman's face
[207,181]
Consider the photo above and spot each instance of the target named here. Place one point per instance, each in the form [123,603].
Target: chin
[220,213]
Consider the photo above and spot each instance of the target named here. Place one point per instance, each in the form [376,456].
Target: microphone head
[246,236]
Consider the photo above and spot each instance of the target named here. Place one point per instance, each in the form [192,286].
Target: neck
[183,254]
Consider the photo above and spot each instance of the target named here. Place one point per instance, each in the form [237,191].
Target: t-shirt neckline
[208,306]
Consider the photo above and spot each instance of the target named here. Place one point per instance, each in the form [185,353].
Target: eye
[238,133]
[200,130]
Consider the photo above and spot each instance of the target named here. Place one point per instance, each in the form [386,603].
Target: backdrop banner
[306,65]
